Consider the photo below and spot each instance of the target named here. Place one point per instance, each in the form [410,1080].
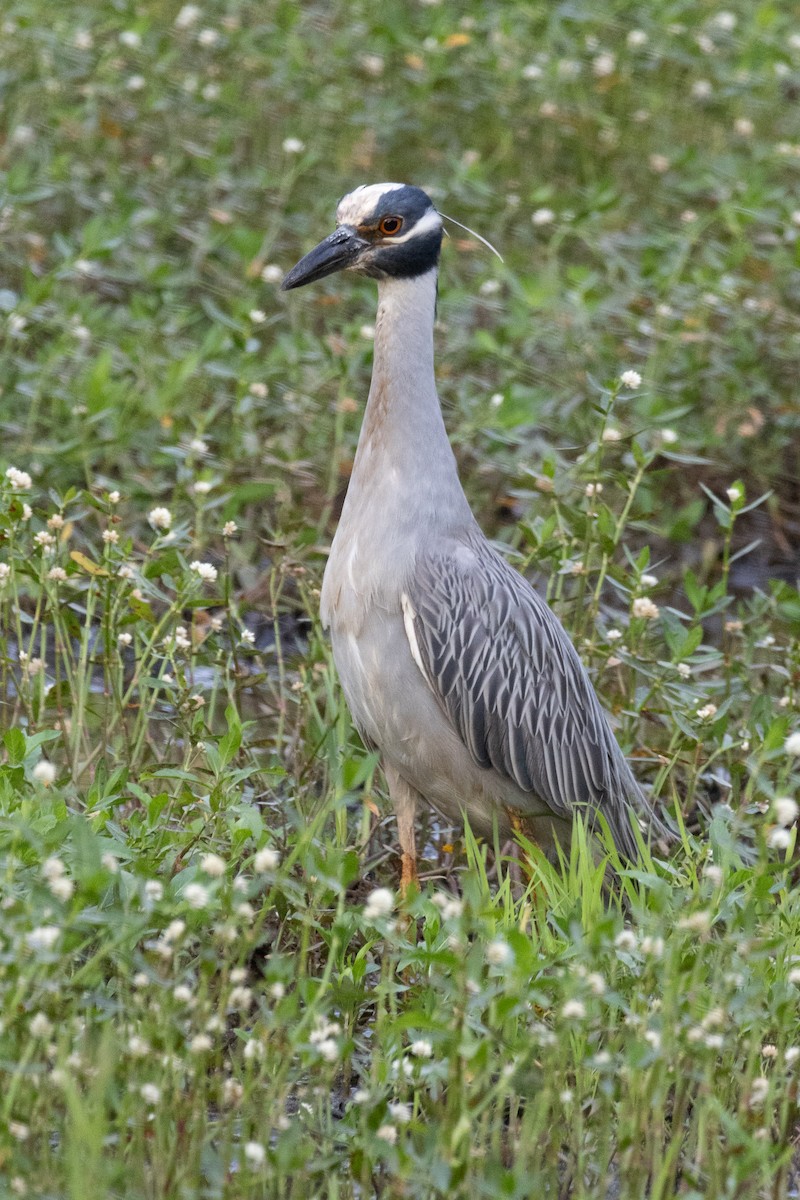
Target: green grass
[207,990]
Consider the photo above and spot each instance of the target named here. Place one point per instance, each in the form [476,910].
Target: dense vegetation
[209,988]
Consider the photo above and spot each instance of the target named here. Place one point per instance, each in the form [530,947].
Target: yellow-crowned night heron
[452,665]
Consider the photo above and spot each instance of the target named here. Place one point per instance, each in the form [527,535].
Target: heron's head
[385,230]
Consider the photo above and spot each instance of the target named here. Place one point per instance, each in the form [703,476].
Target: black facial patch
[407,202]
[404,261]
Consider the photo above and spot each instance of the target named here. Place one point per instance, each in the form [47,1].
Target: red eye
[389,226]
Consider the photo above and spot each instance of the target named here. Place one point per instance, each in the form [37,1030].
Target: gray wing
[511,682]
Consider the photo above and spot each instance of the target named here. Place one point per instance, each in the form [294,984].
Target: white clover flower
[131,39]
[124,639]
[241,997]
[648,581]
[135,83]
[400,1112]
[43,937]
[138,1047]
[196,895]
[27,512]
[630,379]
[277,991]
[272,273]
[421,1048]
[610,434]
[292,145]
[248,637]
[380,903]
[701,89]
[40,1026]
[684,670]
[785,809]
[201,1043]
[266,859]
[387,1133]
[201,487]
[206,571]
[707,712]
[779,838]
[229,529]
[255,1154]
[253,1050]
[19,480]
[189,15]
[213,865]
[141,979]
[372,64]
[44,772]
[653,946]
[644,607]
[636,38]
[109,861]
[56,574]
[53,868]
[154,890]
[744,127]
[759,1090]
[329,1049]
[19,1131]
[498,953]
[63,888]
[792,744]
[160,518]
[543,216]
[5,572]
[232,1091]
[698,922]
[150,1093]
[573,1010]
[110,537]
[259,390]
[596,983]
[451,907]
[257,316]
[604,64]
[614,635]
[659,163]
[208,37]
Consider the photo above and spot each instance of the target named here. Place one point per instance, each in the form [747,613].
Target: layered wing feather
[511,683]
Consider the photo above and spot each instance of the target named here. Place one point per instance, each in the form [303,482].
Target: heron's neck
[403,443]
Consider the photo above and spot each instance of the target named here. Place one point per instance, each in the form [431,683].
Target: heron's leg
[404,799]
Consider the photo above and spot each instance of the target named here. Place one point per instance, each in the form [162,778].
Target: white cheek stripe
[431,220]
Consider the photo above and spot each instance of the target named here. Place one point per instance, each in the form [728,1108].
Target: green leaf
[14,741]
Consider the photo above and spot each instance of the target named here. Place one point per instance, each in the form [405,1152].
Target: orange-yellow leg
[404,798]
